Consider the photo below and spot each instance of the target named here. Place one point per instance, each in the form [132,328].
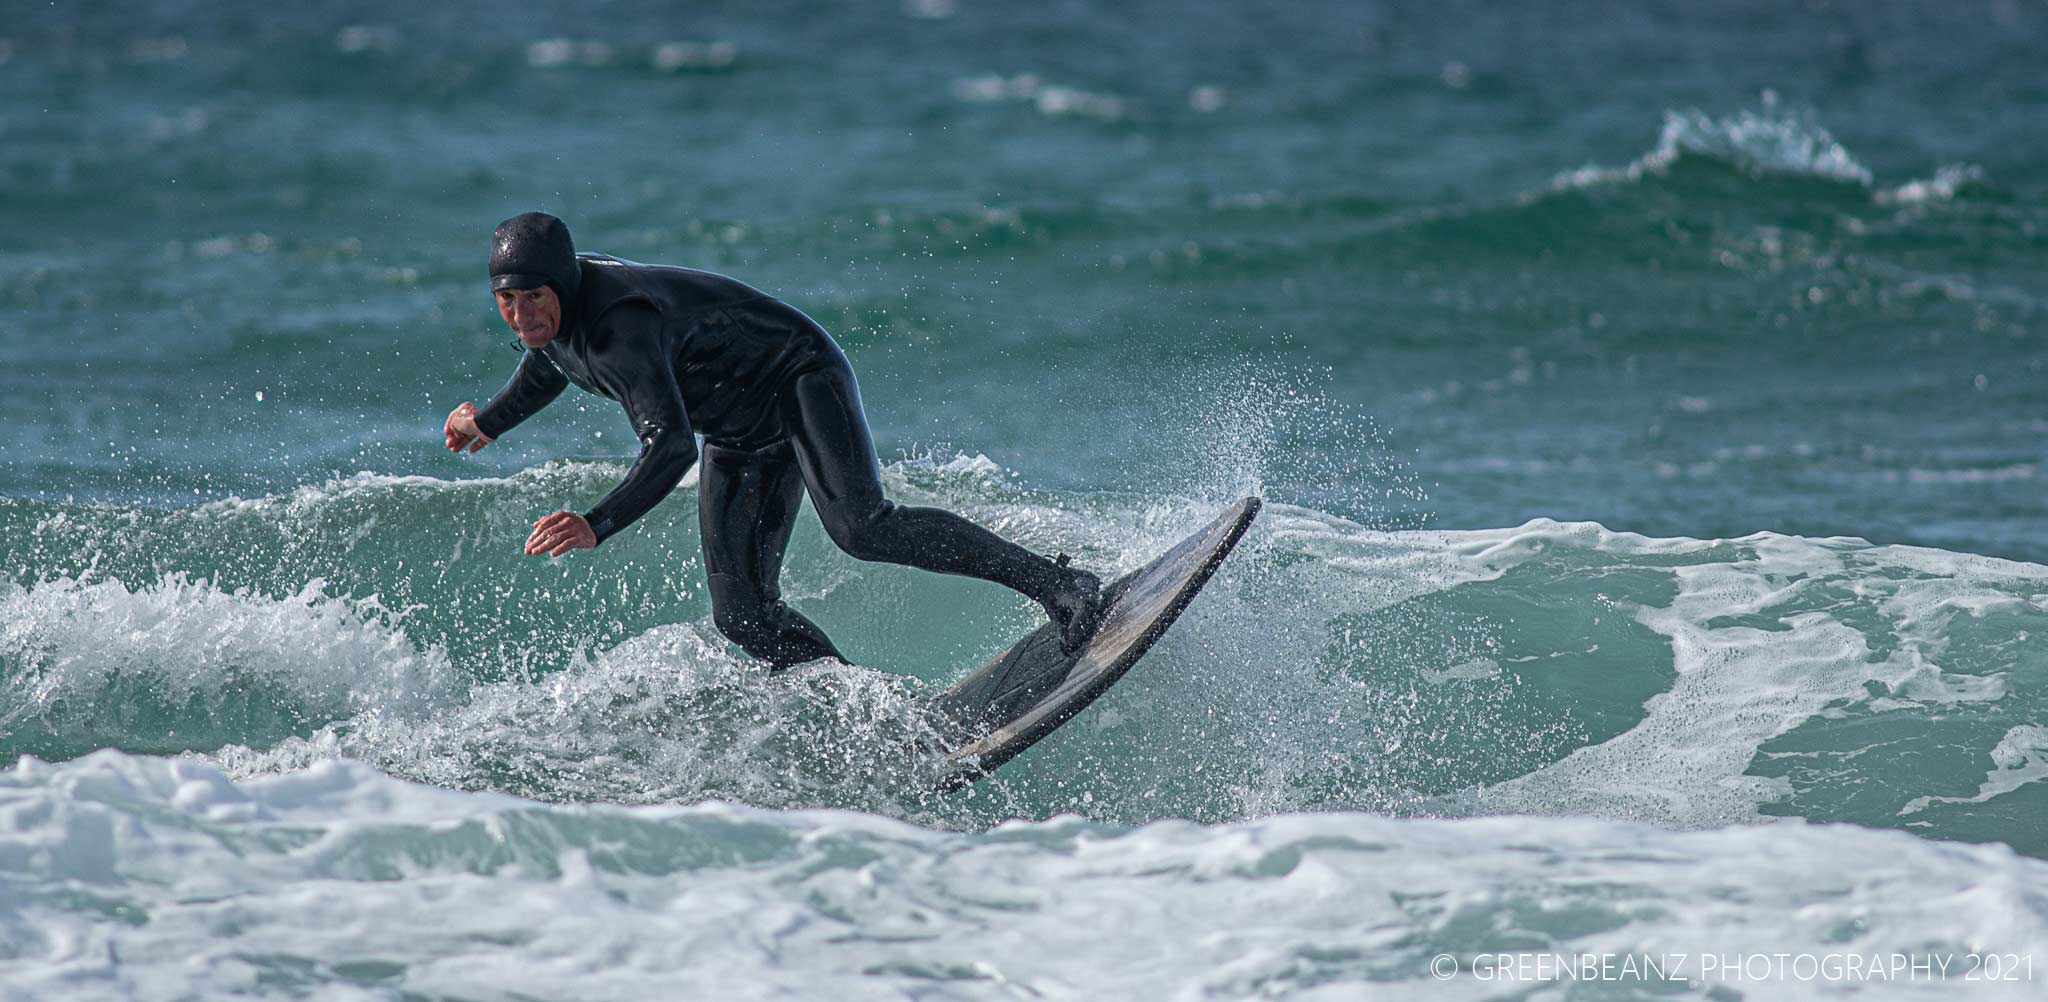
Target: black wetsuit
[692,352]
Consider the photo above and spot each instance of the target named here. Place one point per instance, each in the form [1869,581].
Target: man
[688,352]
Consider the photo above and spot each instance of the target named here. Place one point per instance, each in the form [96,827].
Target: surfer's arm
[534,385]
[645,383]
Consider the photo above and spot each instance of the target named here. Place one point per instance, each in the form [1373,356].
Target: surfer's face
[533,314]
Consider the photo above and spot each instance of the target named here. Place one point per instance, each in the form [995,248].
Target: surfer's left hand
[559,533]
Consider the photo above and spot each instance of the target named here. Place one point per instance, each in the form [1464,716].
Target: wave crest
[181,664]
[1771,139]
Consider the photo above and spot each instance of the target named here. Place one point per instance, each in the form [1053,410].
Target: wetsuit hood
[533,249]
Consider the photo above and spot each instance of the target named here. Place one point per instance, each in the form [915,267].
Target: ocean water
[1648,398]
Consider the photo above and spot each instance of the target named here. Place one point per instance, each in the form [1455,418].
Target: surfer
[687,352]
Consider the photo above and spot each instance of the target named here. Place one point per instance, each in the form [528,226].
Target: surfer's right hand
[462,431]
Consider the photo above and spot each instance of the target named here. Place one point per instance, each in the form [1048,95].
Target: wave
[179,664]
[1550,668]
[173,880]
[1708,188]
[1048,99]
[413,543]
[1948,181]
[669,716]
[1773,139]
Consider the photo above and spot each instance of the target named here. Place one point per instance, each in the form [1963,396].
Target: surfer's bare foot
[1075,605]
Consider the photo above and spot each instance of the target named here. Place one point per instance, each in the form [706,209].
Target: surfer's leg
[837,455]
[747,503]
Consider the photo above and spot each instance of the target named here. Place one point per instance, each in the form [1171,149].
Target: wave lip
[1770,140]
[181,664]
[1947,181]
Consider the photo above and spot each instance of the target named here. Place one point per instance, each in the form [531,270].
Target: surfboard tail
[1034,686]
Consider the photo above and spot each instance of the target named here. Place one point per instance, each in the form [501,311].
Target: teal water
[1648,399]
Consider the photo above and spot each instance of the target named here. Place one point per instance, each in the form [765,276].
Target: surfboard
[1024,693]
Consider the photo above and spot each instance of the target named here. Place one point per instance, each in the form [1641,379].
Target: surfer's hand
[462,431]
[559,533]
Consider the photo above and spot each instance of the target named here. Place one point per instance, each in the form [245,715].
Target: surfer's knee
[740,612]
[744,627]
[759,631]
[858,525]
[758,621]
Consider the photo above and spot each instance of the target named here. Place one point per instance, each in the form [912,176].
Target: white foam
[178,639]
[2021,757]
[148,878]
[1942,187]
[1765,633]
[1770,140]
[669,715]
[1050,99]
[537,485]
[671,57]
[1737,684]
